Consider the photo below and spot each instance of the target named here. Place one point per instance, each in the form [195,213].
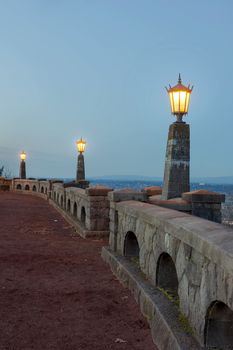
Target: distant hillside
[224,180]
[228,180]
[127,178]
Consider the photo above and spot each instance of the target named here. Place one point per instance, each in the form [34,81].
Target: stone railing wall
[87,210]
[187,256]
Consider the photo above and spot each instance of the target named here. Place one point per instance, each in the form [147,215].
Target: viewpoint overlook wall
[183,257]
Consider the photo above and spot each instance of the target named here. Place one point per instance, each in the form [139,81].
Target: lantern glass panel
[81,144]
[23,156]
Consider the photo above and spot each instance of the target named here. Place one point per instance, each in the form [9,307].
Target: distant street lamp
[81,145]
[179,99]
[176,173]
[22,170]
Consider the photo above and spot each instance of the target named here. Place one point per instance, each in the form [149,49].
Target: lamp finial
[179,79]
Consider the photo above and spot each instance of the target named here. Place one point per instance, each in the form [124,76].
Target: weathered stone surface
[153,190]
[203,196]
[176,173]
[127,194]
[201,250]
[174,203]
[98,191]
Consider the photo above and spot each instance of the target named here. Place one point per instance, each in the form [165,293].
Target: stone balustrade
[86,209]
[186,256]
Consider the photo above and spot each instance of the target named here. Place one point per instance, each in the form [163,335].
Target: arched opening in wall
[75,210]
[34,188]
[18,187]
[83,216]
[166,276]
[27,188]
[219,326]
[68,206]
[42,189]
[62,201]
[131,247]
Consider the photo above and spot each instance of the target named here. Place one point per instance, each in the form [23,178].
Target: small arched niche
[83,216]
[68,205]
[219,327]
[27,188]
[131,246]
[42,189]
[62,201]
[34,188]
[166,275]
[75,210]
[18,187]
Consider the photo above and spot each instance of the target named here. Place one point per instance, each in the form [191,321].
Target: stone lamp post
[176,173]
[22,170]
[81,145]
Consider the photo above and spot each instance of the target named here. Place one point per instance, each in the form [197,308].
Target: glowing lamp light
[23,155]
[81,144]
[179,96]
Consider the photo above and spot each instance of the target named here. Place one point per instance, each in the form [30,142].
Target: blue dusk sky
[98,68]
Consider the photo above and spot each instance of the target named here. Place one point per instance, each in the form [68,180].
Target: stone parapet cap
[79,184]
[53,181]
[174,203]
[203,196]
[152,190]
[127,194]
[98,190]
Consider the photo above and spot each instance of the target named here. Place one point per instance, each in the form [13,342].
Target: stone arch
[42,189]
[75,209]
[83,216]
[27,188]
[18,187]
[68,205]
[34,188]
[166,275]
[219,326]
[61,201]
[131,246]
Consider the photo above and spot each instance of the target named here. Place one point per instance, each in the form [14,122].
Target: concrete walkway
[55,291]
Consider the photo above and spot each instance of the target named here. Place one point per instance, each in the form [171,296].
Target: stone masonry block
[98,191]
[203,196]
[126,195]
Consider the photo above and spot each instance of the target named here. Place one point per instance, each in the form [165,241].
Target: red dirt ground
[55,290]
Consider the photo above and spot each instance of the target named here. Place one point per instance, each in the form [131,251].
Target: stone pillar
[97,219]
[176,173]
[80,175]
[22,171]
[205,204]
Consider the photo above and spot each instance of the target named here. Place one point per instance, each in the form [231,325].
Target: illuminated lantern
[81,144]
[23,155]
[179,99]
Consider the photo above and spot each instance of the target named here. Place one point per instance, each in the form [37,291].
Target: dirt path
[55,290]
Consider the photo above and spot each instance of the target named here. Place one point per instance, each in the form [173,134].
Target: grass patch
[170,295]
[185,324]
[174,298]
[135,260]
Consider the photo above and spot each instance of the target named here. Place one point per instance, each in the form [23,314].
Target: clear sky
[97,69]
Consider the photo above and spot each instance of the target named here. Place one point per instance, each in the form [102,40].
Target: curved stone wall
[201,252]
[87,210]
